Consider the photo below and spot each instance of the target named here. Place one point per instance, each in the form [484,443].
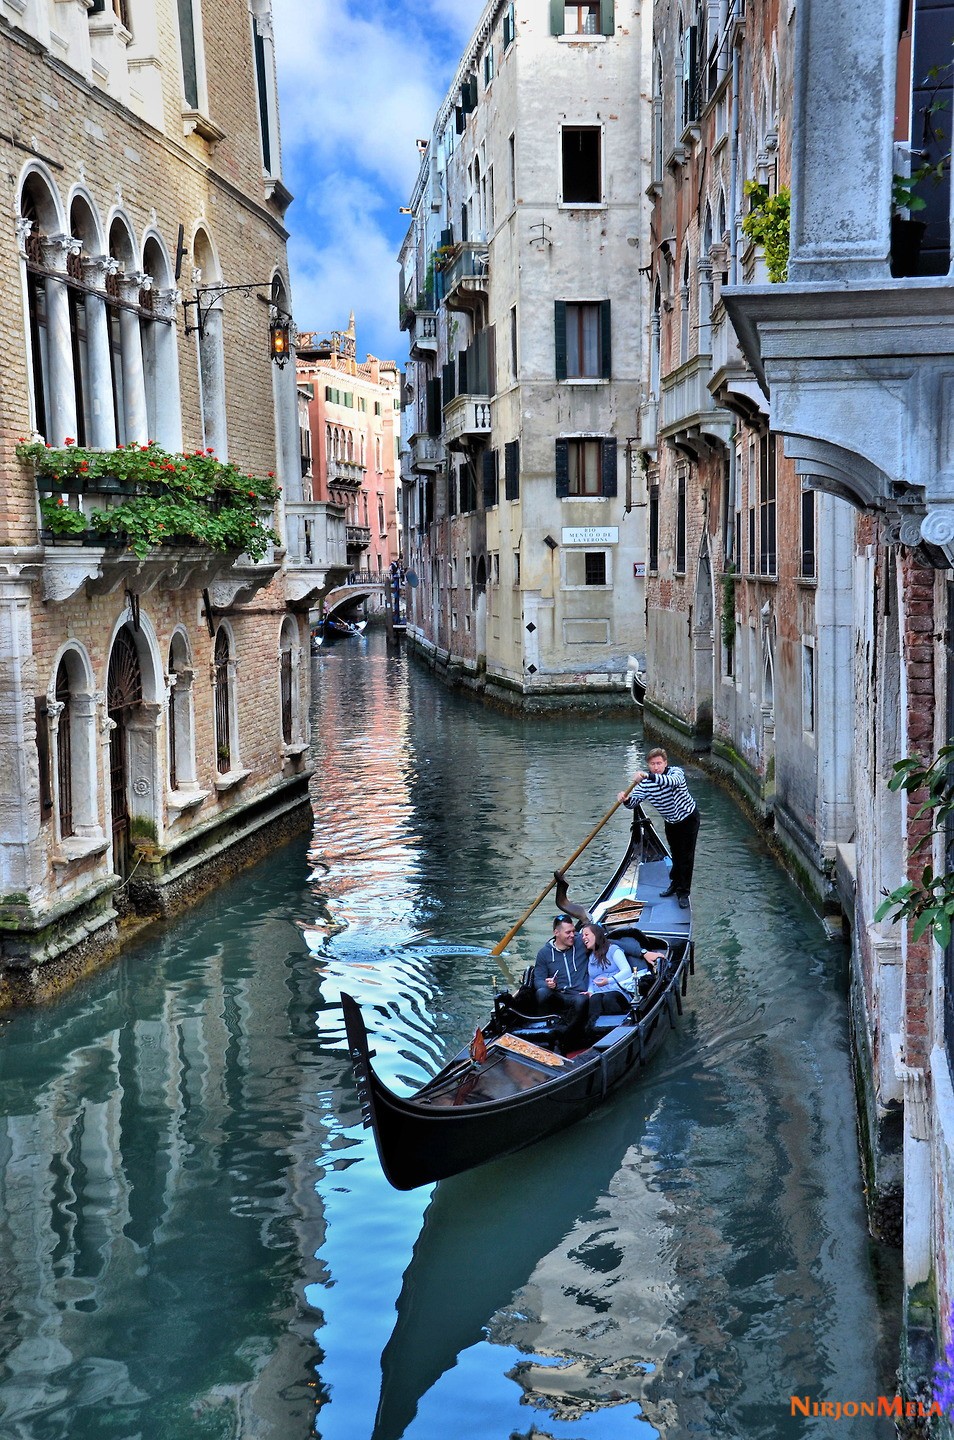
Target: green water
[196,1238]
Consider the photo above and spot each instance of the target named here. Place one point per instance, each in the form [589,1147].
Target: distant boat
[511,1087]
[330,628]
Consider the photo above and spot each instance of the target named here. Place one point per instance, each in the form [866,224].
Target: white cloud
[358,85]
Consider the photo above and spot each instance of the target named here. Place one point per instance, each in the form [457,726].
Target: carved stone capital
[164,303]
[24,228]
[56,250]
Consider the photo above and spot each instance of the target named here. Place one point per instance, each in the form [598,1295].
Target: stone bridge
[343,597]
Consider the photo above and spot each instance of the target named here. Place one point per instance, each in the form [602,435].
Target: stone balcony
[427,454]
[358,537]
[317,553]
[345,474]
[423,334]
[648,426]
[689,418]
[732,384]
[466,417]
[465,276]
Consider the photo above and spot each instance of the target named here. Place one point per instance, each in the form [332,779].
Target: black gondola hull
[452,1125]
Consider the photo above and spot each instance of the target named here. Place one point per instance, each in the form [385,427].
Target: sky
[358,84]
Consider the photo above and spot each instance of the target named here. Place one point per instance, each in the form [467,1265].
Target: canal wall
[76,941]
[557,695]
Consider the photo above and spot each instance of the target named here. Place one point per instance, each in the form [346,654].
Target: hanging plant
[192,499]
[768,224]
[728,607]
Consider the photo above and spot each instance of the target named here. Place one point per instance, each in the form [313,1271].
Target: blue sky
[358,84]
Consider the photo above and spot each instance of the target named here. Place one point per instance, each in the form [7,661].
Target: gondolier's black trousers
[681,836]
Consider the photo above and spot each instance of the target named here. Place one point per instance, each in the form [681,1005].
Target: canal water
[195,1236]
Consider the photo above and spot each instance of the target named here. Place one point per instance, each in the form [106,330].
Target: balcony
[359,537]
[345,474]
[317,550]
[463,279]
[427,454]
[466,417]
[690,420]
[733,386]
[648,426]
[423,334]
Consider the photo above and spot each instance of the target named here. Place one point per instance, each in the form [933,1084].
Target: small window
[516,567]
[582,340]
[595,567]
[808,689]
[581,19]
[582,171]
[584,473]
[652,541]
[808,534]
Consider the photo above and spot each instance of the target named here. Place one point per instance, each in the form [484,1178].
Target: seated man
[560,979]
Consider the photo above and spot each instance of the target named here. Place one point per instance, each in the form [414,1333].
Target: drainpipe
[734,155]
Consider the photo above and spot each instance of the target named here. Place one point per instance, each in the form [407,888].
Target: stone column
[842,140]
[168,419]
[102,411]
[61,421]
[134,374]
[21,859]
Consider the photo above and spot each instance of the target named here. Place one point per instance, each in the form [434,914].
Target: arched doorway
[123,702]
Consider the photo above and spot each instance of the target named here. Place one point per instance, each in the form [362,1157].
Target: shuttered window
[512,470]
[586,467]
[491,471]
[592,17]
[582,340]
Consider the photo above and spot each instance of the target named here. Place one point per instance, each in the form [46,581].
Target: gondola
[512,1086]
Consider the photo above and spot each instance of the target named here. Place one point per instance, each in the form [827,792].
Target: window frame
[565,131]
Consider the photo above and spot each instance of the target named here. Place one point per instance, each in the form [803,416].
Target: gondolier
[665,787]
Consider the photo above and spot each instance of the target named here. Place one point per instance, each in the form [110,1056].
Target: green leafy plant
[61,518]
[928,901]
[728,606]
[903,191]
[768,224]
[195,498]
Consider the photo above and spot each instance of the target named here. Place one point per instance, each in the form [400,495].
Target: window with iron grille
[595,567]
[64,752]
[223,726]
[681,525]
[286,688]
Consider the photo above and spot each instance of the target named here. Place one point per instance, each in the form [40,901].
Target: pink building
[354,423]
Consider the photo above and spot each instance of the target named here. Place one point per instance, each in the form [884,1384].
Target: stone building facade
[854,357]
[354,423]
[520,280]
[747,575]
[153,705]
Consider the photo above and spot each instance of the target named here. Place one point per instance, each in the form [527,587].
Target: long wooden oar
[501,945]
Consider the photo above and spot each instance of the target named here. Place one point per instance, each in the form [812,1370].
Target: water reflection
[195,1235]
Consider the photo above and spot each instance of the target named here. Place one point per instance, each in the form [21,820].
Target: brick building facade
[153,705]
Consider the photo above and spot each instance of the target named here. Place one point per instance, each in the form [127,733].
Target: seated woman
[610,976]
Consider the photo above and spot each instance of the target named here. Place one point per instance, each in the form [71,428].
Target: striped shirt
[668,792]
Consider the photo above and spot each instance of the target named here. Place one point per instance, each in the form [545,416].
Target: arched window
[684,330]
[211,349]
[71,736]
[179,716]
[654,352]
[289,676]
[45,252]
[64,752]
[223,702]
[159,348]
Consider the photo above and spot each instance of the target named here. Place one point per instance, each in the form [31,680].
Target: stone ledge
[230,779]
[78,847]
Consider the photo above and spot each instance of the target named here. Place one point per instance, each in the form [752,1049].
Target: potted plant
[768,224]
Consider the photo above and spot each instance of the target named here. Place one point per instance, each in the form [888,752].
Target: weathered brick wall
[919,624]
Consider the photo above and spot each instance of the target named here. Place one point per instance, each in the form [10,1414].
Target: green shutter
[609,467]
[490,478]
[606,343]
[559,337]
[512,470]
[562,469]
[607,18]
[557,16]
